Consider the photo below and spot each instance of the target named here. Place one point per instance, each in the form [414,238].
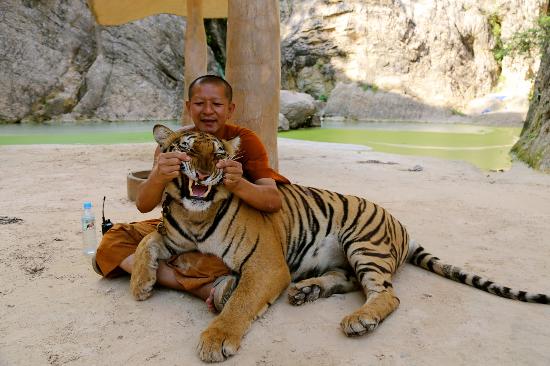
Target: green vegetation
[322,98]
[456,112]
[495,23]
[374,88]
[522,43]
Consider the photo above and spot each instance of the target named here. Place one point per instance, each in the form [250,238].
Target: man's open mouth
[197,190]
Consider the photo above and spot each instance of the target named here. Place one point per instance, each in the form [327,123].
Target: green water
[80,133]
[485,147]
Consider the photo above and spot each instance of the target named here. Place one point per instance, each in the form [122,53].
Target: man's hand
[233,173]
[167,166]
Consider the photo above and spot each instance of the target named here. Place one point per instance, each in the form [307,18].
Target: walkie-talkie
[106,225]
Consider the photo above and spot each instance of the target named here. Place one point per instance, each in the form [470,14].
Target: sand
[56,310]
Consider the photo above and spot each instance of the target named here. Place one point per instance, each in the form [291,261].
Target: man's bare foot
[220,292]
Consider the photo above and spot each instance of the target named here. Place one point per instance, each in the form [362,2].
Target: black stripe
[485,286]
[329,219]
[374,265]
[431,263]
[249,255]
[418,260]
[318,200]
[475,281]
[348,243]
[353,225]
[168,217]
[521,296]
[216,221]
[344,201]
[541,299]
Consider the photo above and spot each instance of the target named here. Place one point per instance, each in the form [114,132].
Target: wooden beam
[195,52]
[254,67]
[117,12]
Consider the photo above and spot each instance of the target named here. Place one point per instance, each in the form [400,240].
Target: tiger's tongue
[198,190]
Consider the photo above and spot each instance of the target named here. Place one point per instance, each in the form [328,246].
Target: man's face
[209,108]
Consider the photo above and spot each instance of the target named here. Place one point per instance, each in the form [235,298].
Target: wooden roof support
[117,12]
[253,67]
[195,52]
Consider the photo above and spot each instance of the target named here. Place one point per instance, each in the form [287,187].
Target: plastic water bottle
[88,230]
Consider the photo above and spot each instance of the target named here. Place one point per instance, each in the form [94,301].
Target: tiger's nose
[201,175]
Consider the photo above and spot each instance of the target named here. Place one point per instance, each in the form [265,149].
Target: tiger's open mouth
[197,190]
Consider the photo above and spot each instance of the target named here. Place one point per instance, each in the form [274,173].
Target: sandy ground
[55,310]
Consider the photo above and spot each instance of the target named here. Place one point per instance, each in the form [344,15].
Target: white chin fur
[196,205]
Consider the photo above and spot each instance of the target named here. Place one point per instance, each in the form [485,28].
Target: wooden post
[253,68]
[195,52]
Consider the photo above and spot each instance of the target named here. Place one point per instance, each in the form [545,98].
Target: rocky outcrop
[533,146]
[56,63]
[437,52]
[297,108]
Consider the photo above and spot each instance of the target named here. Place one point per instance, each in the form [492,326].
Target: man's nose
[207,108]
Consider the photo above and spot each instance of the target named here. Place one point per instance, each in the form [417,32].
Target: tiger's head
[197,185]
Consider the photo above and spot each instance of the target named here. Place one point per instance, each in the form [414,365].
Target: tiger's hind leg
[337,281]
[374,274]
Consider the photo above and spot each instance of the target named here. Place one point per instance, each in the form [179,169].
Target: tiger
[318,244]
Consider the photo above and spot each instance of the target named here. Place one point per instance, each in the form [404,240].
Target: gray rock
[298,108]
[56,63]
[284,125]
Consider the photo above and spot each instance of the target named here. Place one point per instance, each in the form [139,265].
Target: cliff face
[438,52]
[55,63]
[533,146]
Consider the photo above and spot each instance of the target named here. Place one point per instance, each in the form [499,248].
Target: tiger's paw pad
[298,295]
[358,323]
[216,345]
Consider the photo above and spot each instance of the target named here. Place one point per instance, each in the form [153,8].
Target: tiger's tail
[419,257]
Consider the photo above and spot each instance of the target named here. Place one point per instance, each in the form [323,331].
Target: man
[250,178]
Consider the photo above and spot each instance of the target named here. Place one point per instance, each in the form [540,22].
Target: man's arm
[263,194]
[165,168]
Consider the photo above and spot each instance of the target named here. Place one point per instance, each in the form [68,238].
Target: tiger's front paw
[216,345]
[359,323]
[142,282]
[300,293]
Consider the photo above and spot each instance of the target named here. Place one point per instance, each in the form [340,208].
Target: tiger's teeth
[207,191]
[190,187]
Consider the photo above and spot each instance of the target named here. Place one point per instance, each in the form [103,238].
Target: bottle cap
[87,205]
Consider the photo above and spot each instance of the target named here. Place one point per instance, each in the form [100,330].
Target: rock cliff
[533,146]
[56,63]
[437,52]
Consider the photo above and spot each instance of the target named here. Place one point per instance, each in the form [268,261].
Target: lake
[486,147]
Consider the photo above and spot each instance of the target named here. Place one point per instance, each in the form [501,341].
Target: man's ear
[161,133]
[232,146]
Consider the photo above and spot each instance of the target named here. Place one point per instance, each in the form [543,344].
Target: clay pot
[133,180]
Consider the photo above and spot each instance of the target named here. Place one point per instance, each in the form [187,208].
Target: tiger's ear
[161,133]
[232,146]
